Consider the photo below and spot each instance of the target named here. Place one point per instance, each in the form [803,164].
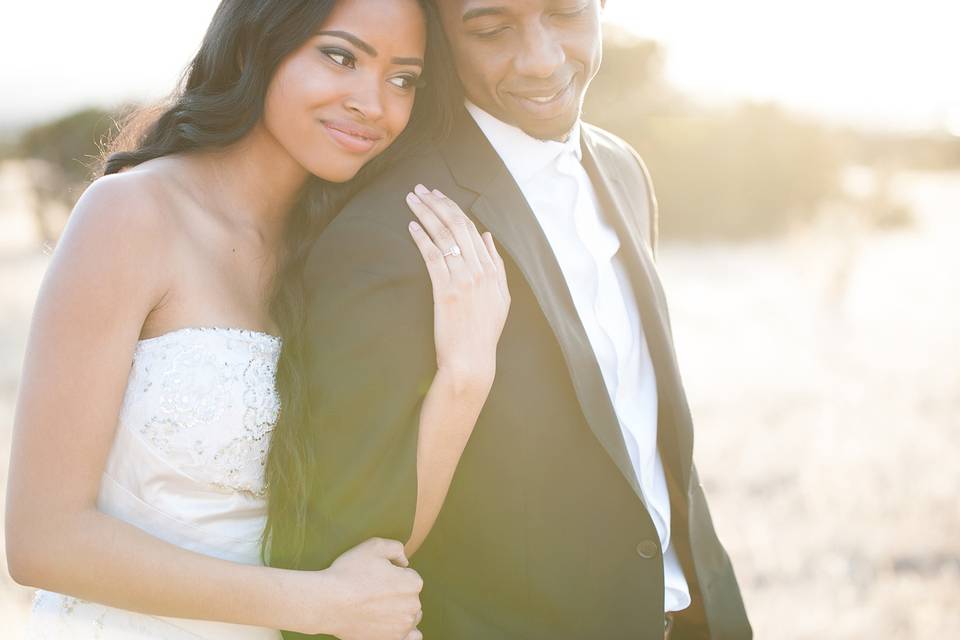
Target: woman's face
[347,93]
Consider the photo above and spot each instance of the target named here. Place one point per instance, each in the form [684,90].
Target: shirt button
[647,549]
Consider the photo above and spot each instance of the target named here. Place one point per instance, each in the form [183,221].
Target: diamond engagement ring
[452,251]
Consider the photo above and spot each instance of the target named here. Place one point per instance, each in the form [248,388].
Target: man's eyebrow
[483,11]
[352,39]
[418,62]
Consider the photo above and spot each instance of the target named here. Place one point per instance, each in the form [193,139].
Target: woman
[148,394]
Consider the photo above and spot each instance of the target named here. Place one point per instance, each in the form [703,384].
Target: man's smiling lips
[544,104]
[352,136]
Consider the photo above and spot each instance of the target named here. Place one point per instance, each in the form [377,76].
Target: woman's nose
[366,102]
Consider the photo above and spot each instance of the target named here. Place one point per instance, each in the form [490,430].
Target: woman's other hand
[369,593]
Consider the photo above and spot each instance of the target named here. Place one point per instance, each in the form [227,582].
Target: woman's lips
[352,137]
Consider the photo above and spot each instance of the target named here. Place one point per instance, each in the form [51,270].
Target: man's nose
[541,54]
[366,101]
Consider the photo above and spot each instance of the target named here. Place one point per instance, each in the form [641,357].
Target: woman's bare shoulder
[137,207]
[124,225]
[122,203]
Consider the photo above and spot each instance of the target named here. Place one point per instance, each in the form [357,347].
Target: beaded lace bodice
[205,401]
[190,450]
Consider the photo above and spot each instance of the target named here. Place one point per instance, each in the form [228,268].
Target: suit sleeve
[369,361]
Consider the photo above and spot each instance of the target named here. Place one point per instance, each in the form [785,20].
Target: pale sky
[877,62]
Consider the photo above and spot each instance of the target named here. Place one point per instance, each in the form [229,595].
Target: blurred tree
[631,83]
[71,142]
[719,172]
[61,158]
[734,173]
[929,151]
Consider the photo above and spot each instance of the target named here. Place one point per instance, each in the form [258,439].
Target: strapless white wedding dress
[187,466]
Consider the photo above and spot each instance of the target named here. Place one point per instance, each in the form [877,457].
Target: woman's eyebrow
[352,39]
[411,61]
[368,48]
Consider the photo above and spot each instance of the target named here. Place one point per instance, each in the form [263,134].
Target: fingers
[492,249]
[440,235]
[443,226]
[391,550]
[447,223]
[432,256]
[414,635]
[499,265]
[483,256]
[460,218]
[487,261]
[425,205]
[415,579]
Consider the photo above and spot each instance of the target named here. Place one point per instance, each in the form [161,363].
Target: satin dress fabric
[187,466]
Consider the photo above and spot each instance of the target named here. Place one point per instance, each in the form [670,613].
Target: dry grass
[822,373]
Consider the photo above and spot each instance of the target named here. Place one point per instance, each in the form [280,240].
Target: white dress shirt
[559,192]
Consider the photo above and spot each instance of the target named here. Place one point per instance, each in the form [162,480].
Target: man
[576,511]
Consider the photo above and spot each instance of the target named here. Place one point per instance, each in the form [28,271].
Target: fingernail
[421,190]
[414,226]
[438,193]
[412,197]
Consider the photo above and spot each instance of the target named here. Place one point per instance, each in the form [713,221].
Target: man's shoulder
[370,233]
[614,147]
[607,139]
[617,155]
[383,198]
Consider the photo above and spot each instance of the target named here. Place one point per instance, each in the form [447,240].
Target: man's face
[526,62]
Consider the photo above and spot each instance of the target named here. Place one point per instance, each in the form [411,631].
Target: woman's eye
[405,82]
[341,57]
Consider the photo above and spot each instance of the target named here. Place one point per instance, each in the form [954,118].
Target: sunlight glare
[854,60]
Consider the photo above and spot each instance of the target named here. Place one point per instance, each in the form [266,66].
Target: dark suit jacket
[543,534]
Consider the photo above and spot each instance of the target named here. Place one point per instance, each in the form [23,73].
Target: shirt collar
[524,155]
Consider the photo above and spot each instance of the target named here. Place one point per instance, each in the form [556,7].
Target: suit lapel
[624,205]
[503,210]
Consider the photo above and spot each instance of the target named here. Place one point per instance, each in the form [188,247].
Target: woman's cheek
[401,119]
[306,83]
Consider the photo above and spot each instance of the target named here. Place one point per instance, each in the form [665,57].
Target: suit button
[647,549]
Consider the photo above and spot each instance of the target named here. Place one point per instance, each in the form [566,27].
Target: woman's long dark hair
[220,101]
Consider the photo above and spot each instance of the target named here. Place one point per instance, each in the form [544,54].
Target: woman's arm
[471,301]
[110,270]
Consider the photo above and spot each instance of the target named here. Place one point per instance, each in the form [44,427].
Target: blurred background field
[809,252]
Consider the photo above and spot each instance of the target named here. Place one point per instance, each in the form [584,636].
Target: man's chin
[553,129]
